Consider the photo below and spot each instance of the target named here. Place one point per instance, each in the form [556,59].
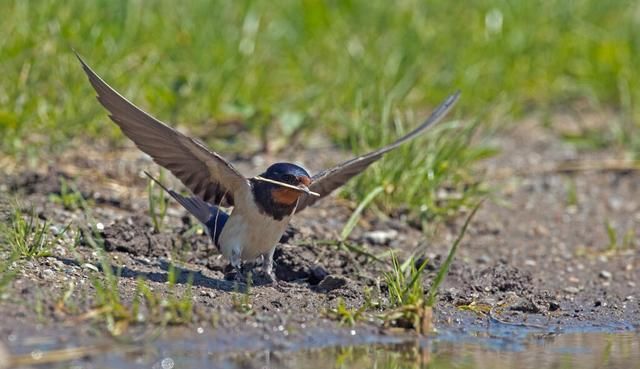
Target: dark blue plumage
[286,172]
[216,222]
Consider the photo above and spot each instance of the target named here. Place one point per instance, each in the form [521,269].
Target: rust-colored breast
[285,195]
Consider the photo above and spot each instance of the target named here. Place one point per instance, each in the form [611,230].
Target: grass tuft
[28,236]
[616,243]
[158,202]
[410,307]
[69,197]
[404,282]
[146,307]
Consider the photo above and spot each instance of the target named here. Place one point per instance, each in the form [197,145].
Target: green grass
[69,197]
[7,273]
[147,306]
[27,236]
[158,202]
[615,243]
[409,305]
[359,72]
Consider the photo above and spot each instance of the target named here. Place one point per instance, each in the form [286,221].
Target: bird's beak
[306,181]
[304,185]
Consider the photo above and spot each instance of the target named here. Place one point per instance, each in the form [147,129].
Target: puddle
[309,350]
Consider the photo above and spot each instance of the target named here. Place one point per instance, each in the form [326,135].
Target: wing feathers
[327,181]
[204,172]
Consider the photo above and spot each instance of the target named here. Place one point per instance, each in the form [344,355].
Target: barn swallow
[262,205]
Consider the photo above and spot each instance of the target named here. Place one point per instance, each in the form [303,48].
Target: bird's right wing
[327,181]
[207,174]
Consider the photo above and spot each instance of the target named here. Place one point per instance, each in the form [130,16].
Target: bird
[262,206]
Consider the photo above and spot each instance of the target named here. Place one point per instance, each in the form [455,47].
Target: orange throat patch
[285,196]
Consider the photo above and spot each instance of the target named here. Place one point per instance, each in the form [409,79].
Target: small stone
[483,259]
[530,262]
[553,306]
[605,275]
[316,274]
[615,203]
[574,279]
[48,274]
[330,283]
[525,305]
[381,237]
[629,298]
[571,289]
[207,292]
[541,230]
[90,266]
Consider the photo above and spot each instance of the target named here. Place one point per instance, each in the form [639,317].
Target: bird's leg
[236,263]
[267,264]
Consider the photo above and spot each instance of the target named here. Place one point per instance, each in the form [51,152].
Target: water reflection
[592,350]
[540,351]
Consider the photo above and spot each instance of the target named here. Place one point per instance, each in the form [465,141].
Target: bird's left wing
[327,181]
[207,174]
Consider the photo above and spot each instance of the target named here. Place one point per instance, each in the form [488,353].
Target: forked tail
[212,217]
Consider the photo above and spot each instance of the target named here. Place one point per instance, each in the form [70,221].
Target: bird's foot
[267,268]
[272,277]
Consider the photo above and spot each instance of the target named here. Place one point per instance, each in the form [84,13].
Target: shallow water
[515,349]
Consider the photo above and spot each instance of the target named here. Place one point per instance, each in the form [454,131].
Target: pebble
[571,289]
[483,259]
[331,283]
[48,273]
[381,237]
[530,262]
[615,203]
[207,292]
[90,266]
[541,230]
[317,274]
[604,274]
[573,279]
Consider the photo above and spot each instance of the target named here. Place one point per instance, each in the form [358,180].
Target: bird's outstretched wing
[208,175]
[328,180]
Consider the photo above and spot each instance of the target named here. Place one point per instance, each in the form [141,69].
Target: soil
[537,254]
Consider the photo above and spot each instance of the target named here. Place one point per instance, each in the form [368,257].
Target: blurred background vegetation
[360,72]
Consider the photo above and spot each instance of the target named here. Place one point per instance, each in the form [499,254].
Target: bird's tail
[212,217]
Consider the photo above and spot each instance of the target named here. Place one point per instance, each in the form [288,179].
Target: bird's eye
[289,178]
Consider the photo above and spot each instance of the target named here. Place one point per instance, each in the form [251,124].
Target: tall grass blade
[433,291]
[355,216]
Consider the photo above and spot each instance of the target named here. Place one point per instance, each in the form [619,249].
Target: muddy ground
[537,253]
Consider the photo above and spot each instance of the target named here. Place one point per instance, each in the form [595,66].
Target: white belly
[250,233]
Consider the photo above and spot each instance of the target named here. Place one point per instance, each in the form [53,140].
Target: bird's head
[290,174]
